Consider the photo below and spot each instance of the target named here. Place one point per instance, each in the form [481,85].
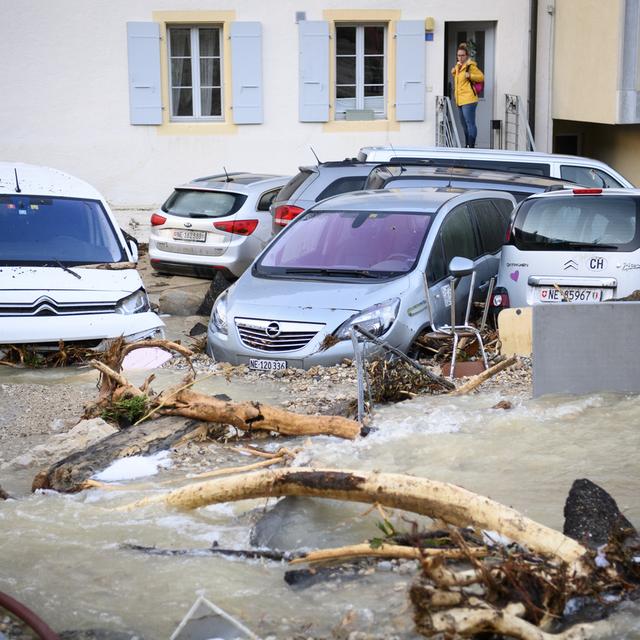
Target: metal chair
[458,267]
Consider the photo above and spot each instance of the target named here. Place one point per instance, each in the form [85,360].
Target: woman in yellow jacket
[464,73]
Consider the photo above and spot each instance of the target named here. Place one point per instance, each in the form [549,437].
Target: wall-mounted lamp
[429,24]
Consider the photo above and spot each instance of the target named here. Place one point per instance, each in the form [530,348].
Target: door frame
[485,112]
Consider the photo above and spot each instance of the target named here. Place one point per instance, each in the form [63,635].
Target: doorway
[480,38]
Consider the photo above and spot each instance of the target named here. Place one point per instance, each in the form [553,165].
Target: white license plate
[267,365]
[564,294]
[194,236]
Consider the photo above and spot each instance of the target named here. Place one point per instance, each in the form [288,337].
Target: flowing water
[63,556]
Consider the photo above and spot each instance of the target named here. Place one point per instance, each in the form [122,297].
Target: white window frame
[194,30]
[379,114]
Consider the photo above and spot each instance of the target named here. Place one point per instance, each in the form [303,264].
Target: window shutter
[143,49]
[410,70]
[313,71]
[246,63]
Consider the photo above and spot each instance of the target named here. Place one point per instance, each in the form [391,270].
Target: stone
[592,516]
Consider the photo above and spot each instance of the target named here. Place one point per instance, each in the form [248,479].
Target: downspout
[533,38]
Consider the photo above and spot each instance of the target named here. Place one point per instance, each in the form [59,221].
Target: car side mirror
[460,266]
[132,243]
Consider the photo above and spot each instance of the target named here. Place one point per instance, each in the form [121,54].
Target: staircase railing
[517,132]
[446,130]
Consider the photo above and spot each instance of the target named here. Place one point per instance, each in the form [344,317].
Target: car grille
[45,306]
[274,336]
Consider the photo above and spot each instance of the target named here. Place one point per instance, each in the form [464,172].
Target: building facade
[138,96]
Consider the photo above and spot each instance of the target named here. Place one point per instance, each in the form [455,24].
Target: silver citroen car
[358,258]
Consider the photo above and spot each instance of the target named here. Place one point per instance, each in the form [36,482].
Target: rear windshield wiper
[592,246]
[347,273]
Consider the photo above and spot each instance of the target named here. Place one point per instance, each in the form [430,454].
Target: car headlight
[137,302]
[219,314]
[377,319]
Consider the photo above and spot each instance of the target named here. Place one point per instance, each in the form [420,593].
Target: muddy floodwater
[63,555]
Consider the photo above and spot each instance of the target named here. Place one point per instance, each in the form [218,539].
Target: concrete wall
[65,92]
[586,348]
[587,58]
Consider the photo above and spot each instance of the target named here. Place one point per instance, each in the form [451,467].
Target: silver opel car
[358,258]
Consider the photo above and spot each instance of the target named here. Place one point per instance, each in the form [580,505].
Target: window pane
[181,72]
[209,42]
[346,70]
[182,102]
[210,102]
[345,40]
[374,91]
[346,91]
[458,236]
[373,40]
[210,72]
[180,42]
[374,70]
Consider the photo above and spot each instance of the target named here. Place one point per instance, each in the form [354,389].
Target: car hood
[26,284]
[257,295]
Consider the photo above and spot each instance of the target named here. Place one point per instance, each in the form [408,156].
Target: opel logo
[273,330]
[188,225]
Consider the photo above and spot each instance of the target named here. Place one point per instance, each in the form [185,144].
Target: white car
[214,224]
[57,236]
[577,245]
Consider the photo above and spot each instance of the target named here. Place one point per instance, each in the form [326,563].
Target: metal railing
[446,130]
[517,133]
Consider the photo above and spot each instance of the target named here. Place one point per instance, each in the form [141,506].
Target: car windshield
[347,244]
[579,222]
[36,230]
[193,203]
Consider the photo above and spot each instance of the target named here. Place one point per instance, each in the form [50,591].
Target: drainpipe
[533,38]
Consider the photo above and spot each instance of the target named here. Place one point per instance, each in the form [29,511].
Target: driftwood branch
[365,550]
[447,502]
[476,381]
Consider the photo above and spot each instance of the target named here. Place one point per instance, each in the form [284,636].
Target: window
[360,71]
[491,225]
[343,185]
[458,237]
[266,199]
[587,176]
[195,69]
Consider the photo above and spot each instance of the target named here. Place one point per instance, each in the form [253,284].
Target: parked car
[314,183]
[214,224]
[583,171]
[403,175]
[358,258]
[54,231]
[579,245]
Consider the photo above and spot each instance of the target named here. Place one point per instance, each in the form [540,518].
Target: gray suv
[315,183]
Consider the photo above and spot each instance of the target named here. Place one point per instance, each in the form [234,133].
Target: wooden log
[384,551]
[250,416]
[476,381]
[69,474]
[468,622]
[442,500]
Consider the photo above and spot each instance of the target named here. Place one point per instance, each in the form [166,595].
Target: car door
[456,237]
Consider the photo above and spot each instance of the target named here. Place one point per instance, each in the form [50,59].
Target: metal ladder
[446,130]
[517,132]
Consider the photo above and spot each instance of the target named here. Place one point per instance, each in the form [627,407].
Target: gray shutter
[246,63]
[313,71]
[410,70]
[143,50]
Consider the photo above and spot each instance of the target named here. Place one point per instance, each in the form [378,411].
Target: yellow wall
[587,39]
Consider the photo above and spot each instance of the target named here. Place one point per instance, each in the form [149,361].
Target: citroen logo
[570,264]
[273,330]
[188,225]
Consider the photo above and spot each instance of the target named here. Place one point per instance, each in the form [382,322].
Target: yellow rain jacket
[462,89]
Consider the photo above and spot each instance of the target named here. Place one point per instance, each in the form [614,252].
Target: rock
[60,445]
[198,329]
[181,301]
[592,516]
